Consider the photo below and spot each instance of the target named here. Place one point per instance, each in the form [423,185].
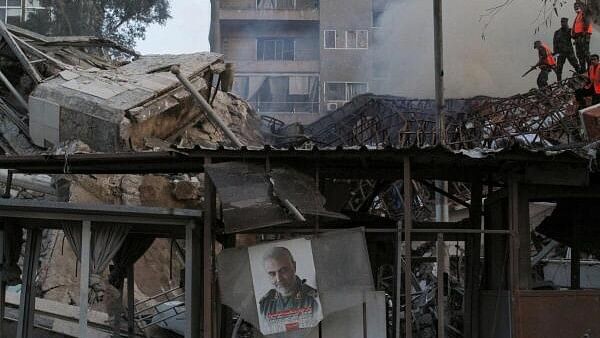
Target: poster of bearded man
[285,286]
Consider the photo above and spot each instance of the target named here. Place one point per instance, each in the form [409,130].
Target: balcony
[270,14]
[285,107]
[312,66]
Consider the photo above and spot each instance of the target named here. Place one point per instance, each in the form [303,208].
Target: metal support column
[209,215]
[441,303]
[27,301]
[407,247]
[193,280]
[576,253]
[2,283]
[131,300]
[84,278]
[473,264]
[514,245]
[438,38]
[398,282]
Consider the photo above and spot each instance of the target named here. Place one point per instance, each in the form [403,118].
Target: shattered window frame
[328,39]
[283,49]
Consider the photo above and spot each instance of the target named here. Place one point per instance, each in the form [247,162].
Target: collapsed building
[125,166]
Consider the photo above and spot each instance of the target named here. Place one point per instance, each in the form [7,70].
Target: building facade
[14,11]
[296,60]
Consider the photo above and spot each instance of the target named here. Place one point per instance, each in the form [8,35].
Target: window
[357,39]
[330,39]
[270,49]
[275,4]
[352,39]
[336,91]
[355,89]
[344,91]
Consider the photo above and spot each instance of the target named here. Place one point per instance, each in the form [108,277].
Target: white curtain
[105,243]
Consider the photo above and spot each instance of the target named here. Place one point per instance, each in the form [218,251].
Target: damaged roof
[105,92]
[563,167]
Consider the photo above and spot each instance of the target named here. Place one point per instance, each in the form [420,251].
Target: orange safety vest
[594,76]
[549,58]
[579,25]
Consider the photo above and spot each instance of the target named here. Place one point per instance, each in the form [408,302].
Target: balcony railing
[286,107]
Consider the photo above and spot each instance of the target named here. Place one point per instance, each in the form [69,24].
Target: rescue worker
[582,33]
[563,48]
[291,296]
[546,63]
[593,84]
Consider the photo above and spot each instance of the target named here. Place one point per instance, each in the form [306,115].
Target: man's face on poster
[282,273]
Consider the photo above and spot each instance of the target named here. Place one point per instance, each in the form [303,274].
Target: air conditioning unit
[331,106]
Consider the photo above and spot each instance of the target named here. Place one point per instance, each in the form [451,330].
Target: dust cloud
[472,66]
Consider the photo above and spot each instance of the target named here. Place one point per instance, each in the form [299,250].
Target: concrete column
[27,301]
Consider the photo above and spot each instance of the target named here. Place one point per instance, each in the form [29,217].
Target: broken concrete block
[184,190]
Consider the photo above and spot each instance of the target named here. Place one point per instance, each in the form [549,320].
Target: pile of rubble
[67,95]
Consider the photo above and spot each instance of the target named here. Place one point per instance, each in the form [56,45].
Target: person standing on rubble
[563,48]
[582,33]
[593,83]
[546,63]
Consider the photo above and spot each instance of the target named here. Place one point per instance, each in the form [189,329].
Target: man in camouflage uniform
[291,296]
[563,48]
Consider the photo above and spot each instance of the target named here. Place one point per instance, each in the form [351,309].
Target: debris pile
[536,119]
[539,119]
[67,95]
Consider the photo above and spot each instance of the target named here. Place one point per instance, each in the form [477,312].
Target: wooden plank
[407,246]
[84,278]
[27,300]
[33,50]
[12,44]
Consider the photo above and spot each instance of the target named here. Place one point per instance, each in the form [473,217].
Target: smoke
[472,66]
